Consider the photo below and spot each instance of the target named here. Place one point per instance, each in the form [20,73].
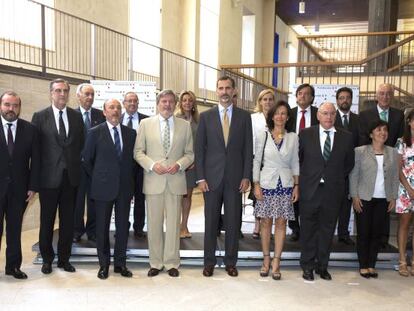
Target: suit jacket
[22,169]
[97,116]
[215,161]
[313,166]
[353,127]
[395,124]
[52,149]
[109,174]
[362,177]
[283,163]
[149,150]
[141,117]
[293,116]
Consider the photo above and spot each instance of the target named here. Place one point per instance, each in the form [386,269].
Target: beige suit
[164,192]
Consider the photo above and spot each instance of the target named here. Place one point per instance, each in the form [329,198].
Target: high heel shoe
[276,275]
[402,269]
[264,271]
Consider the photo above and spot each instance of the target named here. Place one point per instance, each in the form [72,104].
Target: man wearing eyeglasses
[348,121]
[61,136]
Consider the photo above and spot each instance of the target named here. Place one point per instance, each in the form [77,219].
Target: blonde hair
[179,109]
[258,107]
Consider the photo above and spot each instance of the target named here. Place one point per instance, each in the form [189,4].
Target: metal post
[43,25]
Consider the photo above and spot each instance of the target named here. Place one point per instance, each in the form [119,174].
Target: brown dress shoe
[173,272]
[232,270]
[208,271]
[153,272]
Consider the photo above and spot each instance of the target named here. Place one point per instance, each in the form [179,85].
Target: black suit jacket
[52,149]
[97,116]
[22,169]
[395,124]
[313,166]
[109,174]
[214,161]
[291,124]
[353,127]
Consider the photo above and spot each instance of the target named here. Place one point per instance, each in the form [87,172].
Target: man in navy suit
[19,176]
[61,137]
[224,158]
[132,118]
[349,121]
[108,160]
[91,117]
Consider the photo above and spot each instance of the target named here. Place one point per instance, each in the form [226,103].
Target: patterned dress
[404,203]
[276,203]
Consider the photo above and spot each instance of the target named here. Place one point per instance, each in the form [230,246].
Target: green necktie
[384,115]
[327,147]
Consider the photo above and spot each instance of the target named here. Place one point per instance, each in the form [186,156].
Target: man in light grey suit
[164,149]
[224,157]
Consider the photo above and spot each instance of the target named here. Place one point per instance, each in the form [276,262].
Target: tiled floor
[191,291]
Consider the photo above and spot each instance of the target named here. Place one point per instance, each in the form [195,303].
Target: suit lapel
[216,124]
[233,124]
[3,143]
[318,139]
[108,137]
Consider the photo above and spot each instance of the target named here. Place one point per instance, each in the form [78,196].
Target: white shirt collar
[110,126]
[322,130]
[4,121]
[221,108]
[83,110]
[381,110]
[56,111]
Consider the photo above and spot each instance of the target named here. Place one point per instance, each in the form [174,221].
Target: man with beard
[61,137]
[91,117]
[224,159]
[19,176]
[348,121]
[108,160]
[301,117]
[132,119]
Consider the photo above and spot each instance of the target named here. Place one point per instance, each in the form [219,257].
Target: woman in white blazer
[275,179]
[373,186]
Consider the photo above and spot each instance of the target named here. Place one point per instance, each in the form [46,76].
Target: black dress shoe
[294,237]
[373,275]
[123,271]
[346,240]
[92,238]
[232,270]
[365,275]
[66,266]
[16,273]
[153,272]
[208,270]
[140,234]
[173,272]
[308,275]
[324,274]
[103,272]
[76,238]
[46,268]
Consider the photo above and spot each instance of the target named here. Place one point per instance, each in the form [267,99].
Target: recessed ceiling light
[333,13]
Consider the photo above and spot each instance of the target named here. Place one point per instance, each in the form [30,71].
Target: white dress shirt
[229,112]
[64,118]
[6,128]
[307,117]
[322,139]
[344,114]
[111,131]
[162,126]
[82,111]
[135,120]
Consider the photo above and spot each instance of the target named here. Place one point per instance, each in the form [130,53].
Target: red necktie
[302,120]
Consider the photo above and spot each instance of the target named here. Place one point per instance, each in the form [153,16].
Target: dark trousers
[12,207]
[294,224]
[103,221]
[63,198]
[318,219]
[79,223]
[344,216]
[370,224]
[139,201]
[232,212]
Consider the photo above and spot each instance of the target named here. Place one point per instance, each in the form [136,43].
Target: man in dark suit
[61,137]
[326,156]
[91,117]
[132,118]
[19,176]
[348,121]
[302,116]
[108,160]
[395,119]
[224,155]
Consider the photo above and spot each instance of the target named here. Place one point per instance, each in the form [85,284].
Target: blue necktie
[87,120]
[117,142]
